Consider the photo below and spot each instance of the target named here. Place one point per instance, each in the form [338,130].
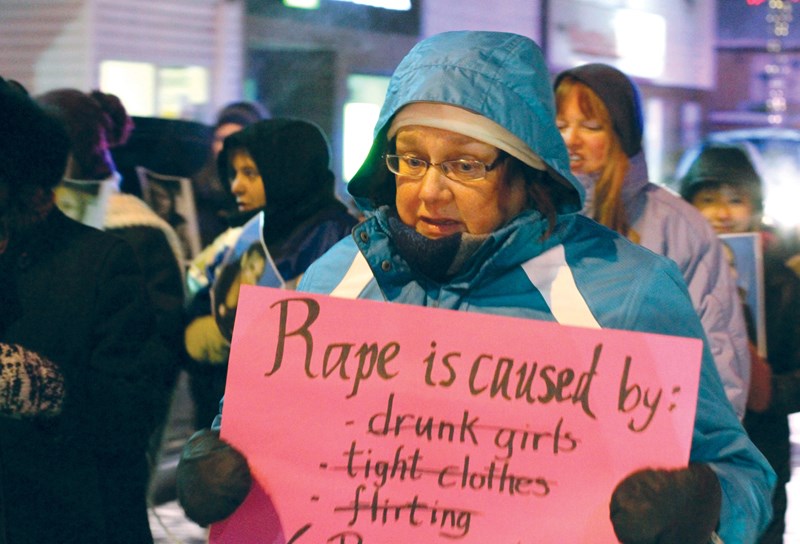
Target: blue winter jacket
[581,274]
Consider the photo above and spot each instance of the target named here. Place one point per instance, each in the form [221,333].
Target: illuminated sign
[398,5]
[395,16]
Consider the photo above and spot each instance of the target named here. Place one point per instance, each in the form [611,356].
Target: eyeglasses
[458,169]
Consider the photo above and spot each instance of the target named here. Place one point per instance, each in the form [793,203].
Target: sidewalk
[170,526]
[167,521]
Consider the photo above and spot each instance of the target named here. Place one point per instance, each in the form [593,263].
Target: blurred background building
[703,65]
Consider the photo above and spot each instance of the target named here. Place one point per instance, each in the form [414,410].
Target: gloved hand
[213,478]
[679,506]
[30,385]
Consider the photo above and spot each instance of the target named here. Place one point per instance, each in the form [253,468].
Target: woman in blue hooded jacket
[469,204]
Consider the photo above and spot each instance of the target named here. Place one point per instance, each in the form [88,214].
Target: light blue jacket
[670,226]
[611,281]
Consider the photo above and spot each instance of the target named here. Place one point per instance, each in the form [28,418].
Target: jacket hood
[621,97]
[500,76]
[292,157]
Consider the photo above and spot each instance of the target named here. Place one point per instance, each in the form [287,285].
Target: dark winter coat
[769,431]
[75,295]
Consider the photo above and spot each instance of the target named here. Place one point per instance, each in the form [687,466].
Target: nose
[570,136]
[237,186]
[723,211]
[433,185]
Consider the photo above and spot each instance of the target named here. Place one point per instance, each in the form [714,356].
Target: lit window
[397,5]
[147,90]
[134,83]
[360,115]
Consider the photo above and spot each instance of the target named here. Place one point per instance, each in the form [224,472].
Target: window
[148,90]
[366,94]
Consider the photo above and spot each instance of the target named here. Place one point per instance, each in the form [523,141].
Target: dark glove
[667,506]
[213,478]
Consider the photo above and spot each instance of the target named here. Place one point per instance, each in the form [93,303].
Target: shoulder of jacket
[329,269]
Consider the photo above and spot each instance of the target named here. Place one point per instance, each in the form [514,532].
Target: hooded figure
[603,133]
[293,159]
[288,219]
[212,199]
[301,219]
[470,205]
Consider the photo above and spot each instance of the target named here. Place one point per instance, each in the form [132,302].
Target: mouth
[577,163]
[439,226]
[574,157]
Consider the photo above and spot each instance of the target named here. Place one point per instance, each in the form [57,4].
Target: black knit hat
[717,164]
[293,159]
[35,145]
[620,96]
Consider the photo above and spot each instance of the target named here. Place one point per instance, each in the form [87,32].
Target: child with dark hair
[724,185]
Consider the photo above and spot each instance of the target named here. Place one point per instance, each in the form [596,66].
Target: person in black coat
[96,122]
[75,309]
[723,183]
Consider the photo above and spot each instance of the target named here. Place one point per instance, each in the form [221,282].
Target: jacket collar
[509,246]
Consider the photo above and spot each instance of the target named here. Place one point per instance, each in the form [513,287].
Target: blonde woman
[599,115]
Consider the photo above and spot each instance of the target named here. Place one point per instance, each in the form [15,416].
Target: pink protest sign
[369,422]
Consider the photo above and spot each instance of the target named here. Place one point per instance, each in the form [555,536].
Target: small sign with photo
[744,254]
[172,198]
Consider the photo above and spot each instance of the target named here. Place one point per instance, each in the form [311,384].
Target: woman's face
[247,185]
[727,208]
[436,206]
[588,140]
